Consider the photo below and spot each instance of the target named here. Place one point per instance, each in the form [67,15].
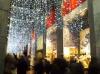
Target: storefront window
[76,33]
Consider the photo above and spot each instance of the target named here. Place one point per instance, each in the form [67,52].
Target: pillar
[96,10]
[92,31]
[4,10]
[59,33]
[44,44]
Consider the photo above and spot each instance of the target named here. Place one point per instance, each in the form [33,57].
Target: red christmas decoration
[69,5]
[50,20]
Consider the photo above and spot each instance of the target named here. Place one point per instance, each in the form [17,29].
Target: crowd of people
[14,65]
[61,66]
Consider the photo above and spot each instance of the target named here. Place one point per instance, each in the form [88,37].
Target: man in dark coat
[22,65]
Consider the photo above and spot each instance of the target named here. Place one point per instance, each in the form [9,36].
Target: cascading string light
[20,24]
[29,15]
[59,18]
[26,14]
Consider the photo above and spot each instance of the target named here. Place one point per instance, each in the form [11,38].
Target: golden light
[48,42]
[66,52]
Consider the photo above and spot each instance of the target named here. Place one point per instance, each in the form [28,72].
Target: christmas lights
[31,15]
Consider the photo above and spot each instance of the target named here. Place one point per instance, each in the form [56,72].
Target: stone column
[4,11]
[96,10]
[59,33]
[59,30]
[92,31]
[44,44]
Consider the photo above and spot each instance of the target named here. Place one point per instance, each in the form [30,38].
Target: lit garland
[59,18]
[75,26]
[29,15]
[26,16]
[21,25]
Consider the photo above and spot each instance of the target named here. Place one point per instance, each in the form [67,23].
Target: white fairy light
[29,15]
